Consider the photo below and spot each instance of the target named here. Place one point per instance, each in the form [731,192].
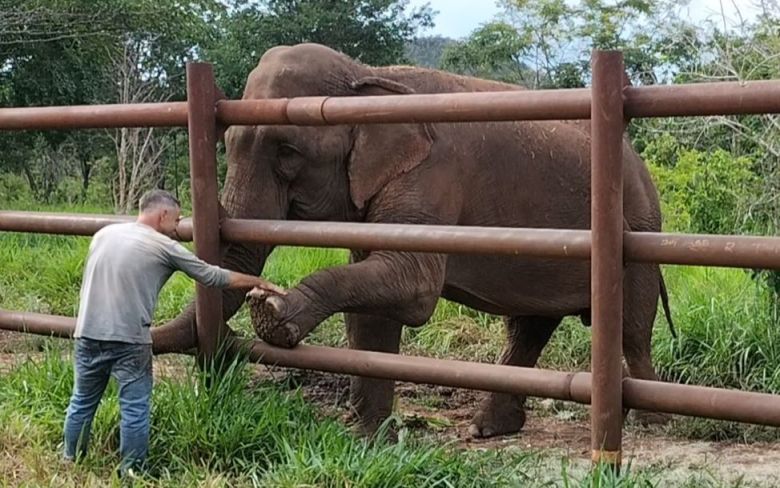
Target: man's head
[160,210]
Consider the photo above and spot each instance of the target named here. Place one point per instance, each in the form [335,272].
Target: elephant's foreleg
[371,400]
[400,286]
[501,413]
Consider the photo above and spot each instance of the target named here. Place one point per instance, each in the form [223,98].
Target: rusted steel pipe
[71,224]
[651,247]
[652,101]
[169,114]
[697,401]
[696,99]
[647,101]
[462,374]
[703,250]
[552,243]
[441,107]
[202,96]
[38,324]
[607,257]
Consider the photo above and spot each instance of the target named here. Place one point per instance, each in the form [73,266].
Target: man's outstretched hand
[264,287]
[241,280]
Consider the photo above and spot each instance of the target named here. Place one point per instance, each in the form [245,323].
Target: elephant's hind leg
[501,413]
[371,400]
[640,301]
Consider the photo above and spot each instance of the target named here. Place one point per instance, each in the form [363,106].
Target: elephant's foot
[647,419]
[370,427]
[280,320]
[499,414]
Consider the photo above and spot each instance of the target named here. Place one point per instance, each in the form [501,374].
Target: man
[126,267]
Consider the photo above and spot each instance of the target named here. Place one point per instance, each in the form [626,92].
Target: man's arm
[241,280]
[214,276]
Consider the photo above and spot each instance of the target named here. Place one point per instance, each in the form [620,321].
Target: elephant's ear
[382,152]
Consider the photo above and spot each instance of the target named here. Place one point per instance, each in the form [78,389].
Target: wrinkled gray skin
[523,174]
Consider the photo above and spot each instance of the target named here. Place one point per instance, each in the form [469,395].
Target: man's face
[169,219]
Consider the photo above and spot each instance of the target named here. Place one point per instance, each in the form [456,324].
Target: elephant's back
[550,157]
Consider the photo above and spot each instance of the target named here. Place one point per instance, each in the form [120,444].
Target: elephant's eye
[287,150]
[289,161]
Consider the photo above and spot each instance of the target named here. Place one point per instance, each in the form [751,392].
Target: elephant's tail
[667,311]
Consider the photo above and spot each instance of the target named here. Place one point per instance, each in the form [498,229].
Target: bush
[702,192]
[14,189]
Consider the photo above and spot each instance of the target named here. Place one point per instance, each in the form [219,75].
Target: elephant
[504,174]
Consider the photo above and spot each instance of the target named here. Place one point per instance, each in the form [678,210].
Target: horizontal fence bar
[440,107]
[72,224]
[37,323]
[702,401]
[551,243]
[723,98]
[170,114]
[652,247]
[698,401]
[447,372]
[703,250]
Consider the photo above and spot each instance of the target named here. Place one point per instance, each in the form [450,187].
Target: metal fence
[609,104]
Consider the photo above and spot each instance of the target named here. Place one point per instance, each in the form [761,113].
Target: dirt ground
[553,427]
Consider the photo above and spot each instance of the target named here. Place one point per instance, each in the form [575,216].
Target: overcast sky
[457,18]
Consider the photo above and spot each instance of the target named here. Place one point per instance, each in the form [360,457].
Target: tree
[496,50]
[63,52]
[372,31]
[139,150]
[548,43]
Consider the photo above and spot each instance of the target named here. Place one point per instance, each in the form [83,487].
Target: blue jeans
[131,365]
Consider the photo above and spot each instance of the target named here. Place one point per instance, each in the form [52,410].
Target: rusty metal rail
[169,114]
[718,403]
[650,247]
[728,98]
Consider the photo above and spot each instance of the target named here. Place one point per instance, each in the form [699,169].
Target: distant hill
[427,51]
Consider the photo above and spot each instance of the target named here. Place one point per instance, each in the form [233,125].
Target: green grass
[240,432]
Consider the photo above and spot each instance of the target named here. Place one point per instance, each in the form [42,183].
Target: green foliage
[726,320]
[547,44]
[71,52]
[706,193]
[492,51]
[372,31]
[727,331]
[14,189]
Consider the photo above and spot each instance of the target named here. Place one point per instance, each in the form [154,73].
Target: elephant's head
[311,173]
[314,173]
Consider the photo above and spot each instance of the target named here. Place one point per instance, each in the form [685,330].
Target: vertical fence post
[201,99]
[607,256]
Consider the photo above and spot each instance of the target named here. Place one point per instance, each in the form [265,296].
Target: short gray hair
[157,198]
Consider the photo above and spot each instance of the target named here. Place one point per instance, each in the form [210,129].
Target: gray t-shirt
[127,265]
